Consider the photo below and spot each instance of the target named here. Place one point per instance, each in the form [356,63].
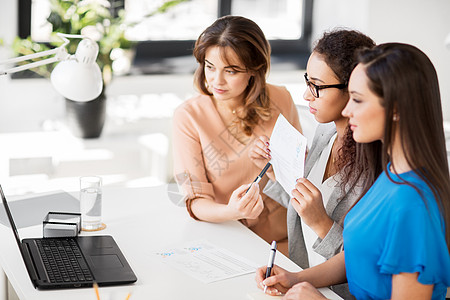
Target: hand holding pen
[243,205]
[278,282]
[246,201]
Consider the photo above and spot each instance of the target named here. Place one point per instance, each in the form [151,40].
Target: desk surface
[144,221]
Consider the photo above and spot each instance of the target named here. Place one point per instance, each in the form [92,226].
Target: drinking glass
[91,203]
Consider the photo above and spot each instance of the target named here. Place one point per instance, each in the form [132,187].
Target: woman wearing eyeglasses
[333,177]
[397,235]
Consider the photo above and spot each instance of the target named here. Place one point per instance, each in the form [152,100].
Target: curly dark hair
[340,48]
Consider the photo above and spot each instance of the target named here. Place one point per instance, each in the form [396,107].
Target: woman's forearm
[208,210]
[328,273]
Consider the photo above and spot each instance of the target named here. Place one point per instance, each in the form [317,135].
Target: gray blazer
[337,206]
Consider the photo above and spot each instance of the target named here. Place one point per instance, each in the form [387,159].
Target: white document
[206,262]
[287,148]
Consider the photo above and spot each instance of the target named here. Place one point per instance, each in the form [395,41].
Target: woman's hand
[245,205]
[308,203]
[259,154]
[303,290]
[277,284]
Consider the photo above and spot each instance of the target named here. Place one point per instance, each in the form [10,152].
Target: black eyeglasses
[315,88]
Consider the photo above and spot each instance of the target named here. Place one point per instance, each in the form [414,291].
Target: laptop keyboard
[63,261]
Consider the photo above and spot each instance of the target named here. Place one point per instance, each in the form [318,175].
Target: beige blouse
[210,163]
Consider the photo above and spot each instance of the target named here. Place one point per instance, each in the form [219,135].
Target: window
[165,41]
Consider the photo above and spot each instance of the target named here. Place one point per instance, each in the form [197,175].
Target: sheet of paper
[206,262]
[287,147]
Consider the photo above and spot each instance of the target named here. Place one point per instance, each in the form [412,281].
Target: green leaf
[71,16]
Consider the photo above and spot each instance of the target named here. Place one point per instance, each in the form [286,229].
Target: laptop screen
[11,221]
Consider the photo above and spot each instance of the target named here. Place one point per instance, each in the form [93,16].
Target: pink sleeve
[189,168]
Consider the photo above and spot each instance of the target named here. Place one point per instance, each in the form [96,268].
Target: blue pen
[273,250]
[260,176]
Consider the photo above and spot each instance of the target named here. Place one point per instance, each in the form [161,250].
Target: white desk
[143,221]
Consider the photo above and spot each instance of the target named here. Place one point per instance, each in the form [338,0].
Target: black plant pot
[86,119]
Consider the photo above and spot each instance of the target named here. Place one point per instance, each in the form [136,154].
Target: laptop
[72,262]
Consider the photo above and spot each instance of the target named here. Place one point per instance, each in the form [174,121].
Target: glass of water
[91,203]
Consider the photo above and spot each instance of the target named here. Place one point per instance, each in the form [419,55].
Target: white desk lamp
[77,77]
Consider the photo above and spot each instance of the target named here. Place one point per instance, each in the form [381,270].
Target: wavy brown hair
[246,39]
[356,162]
[406,81]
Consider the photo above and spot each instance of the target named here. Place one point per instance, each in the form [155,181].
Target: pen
[260,176]
[96,290]
[273,250]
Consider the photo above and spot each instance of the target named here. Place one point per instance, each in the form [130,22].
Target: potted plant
[94,19]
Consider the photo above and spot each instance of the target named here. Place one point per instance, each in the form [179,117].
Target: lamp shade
[79,78]
[76,81]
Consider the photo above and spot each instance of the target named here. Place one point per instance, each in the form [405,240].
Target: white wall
[424,24]
[8,23]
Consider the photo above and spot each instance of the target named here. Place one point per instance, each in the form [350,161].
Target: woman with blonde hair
[213,131]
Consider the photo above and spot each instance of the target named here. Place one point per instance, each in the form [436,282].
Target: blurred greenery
[92,18]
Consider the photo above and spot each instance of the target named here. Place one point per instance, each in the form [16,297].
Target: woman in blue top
[397,236]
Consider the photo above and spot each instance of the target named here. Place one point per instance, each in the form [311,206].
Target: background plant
[92,18]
